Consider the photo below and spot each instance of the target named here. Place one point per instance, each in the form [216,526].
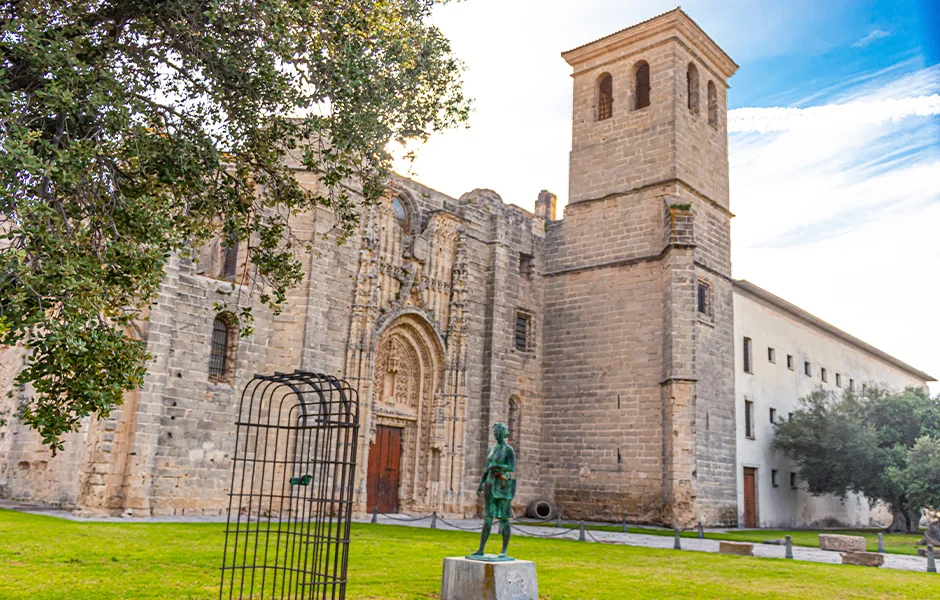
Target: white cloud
[837,208]
[837,200]
[859,113]
[876,34]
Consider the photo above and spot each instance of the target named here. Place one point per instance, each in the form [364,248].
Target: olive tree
[133,129]
[882,445]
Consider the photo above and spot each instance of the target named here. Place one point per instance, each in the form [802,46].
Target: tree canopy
[884,445]
[133,129]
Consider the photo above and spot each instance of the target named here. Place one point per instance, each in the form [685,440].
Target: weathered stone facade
[448,315]
[639,384]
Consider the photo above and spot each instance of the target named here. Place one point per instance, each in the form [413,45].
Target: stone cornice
[648,186]
[675,19]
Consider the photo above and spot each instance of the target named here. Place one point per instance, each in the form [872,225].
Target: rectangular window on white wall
[747,355]
[790,362]
[771,355]
[749,419]
[807,368]
[823,374]
[773,478]
[838,379]
[773,415]
[793,480]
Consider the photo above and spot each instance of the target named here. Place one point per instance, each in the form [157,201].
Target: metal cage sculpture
[292,489]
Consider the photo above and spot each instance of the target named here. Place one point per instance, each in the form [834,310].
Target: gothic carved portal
[407,350]
[409,377]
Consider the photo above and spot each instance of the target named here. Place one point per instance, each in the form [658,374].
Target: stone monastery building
[627,362]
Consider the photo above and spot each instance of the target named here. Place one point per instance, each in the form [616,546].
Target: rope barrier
[581,530]
[455,526]
[405,519]
[540,535]
[591,535]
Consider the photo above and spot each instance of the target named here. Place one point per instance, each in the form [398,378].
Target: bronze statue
[498,489]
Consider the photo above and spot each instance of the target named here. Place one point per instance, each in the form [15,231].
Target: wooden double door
[384,469]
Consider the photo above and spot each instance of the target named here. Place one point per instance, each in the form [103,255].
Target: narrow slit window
[771,355]
[773,478]
[773,415]
[526,266]
[521,339]
[605,97]
[642,85]
[790,361]
[807,368]
[838,380]
[513,420]
[704,300]
[793,480]
[230,263]
[823,374]
[220,350]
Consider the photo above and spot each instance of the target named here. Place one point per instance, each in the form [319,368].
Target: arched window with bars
[712,104]
[691,83]
[642,85]
[221,350]
[605,97]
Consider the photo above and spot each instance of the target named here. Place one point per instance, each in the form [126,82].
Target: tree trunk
[913,521]
[932,536]
[899,524]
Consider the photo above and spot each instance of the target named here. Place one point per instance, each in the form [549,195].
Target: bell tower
[650,106]
[639,365]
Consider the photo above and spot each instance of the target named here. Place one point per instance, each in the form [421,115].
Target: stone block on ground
[739,548]
[863,559]
[841,543]
[475,580]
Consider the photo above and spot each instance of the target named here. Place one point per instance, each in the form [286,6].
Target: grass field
[42,558]
[895,543]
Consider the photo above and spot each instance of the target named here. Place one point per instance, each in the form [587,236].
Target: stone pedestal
[474,580]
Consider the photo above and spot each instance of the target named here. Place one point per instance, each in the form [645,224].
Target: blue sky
[834,142]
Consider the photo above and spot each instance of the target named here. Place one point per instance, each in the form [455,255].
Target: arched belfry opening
[712,104]
[691,80]
[641,85]
[406,463]
[605,97]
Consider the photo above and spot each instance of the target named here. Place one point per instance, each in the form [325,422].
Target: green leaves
[883,445]
[132,130]
[922,475]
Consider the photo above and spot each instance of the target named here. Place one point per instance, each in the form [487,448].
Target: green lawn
[42,558]
[895,543]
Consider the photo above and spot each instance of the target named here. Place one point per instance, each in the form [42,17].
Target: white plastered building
[782,353]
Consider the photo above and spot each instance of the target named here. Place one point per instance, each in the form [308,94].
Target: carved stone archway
[408,384]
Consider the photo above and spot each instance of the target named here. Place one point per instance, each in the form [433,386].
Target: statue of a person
[497,488]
